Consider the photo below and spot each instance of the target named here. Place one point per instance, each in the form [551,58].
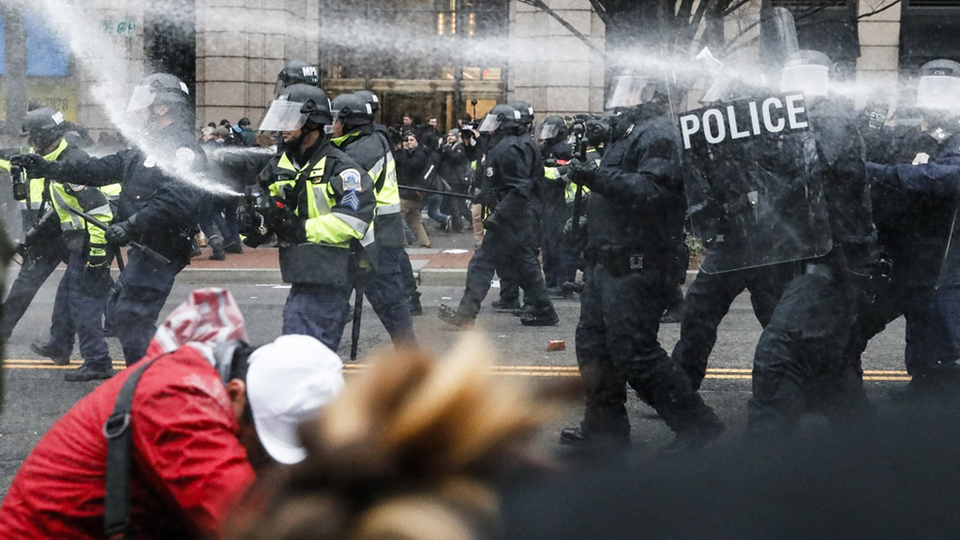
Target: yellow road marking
[519,371]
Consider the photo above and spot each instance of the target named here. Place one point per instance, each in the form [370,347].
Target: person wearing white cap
[287,382]
[164,448]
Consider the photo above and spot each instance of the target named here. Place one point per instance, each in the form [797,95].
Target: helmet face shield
[283,115]
[939,93]
[490,124]
[549,131]
[630,91]
[142,97]
[810,79]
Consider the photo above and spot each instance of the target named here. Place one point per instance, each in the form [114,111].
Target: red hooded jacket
[188,464]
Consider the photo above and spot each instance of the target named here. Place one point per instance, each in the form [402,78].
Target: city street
[36,394]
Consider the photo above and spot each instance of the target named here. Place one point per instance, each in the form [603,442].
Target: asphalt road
[36,394]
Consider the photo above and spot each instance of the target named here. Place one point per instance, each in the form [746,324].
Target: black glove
[119,233]
[34,164]
[291,230]
[492,223]
[584,174]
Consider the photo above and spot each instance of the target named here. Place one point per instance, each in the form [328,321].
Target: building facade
[424,57]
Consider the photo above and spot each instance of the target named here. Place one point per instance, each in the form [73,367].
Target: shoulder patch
[351,180]
[489,171]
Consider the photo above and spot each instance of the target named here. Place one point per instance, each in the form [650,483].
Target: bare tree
[682,25]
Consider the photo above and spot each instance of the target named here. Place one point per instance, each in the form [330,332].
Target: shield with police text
[754,190]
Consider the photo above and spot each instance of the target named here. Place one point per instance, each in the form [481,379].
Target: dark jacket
[166,207]
[411,165]
[637,199]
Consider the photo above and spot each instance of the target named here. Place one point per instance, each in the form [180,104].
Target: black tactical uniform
[370,150]
[635,216]
[509,170]
[800,350]
[156,208]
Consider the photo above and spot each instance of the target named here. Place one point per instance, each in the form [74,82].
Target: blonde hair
[406,452]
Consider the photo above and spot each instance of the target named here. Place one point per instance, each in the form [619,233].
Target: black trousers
[707,302]
[41,260]
[800,350]
[509,250]
[617,343]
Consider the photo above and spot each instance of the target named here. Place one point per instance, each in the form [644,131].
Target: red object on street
[556,345]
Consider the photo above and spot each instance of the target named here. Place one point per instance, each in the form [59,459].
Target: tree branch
[878,10]
[539,4]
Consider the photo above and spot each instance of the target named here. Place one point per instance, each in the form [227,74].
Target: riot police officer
[559,260]
[354,134]
[914,195]
[157,208]
[406,269]
[711,294]
[801,349]
[322,222]
[635,219]
[83,290]
[42,248]
[510,168]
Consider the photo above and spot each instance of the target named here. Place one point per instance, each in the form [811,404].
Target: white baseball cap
[287,382]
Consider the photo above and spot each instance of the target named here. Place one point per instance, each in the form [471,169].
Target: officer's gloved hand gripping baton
[99,224]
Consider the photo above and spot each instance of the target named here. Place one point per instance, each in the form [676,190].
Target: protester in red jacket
[201,423]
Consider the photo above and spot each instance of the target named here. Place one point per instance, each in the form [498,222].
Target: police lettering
[743,119]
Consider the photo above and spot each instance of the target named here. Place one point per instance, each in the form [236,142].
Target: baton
[436,191]
[357,314]
[101,225]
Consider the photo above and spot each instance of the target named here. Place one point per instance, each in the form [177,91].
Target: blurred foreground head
[408,451]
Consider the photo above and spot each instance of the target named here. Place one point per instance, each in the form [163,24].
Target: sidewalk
[444,264]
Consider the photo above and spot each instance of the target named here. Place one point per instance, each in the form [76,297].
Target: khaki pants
[411,214]
[477,211]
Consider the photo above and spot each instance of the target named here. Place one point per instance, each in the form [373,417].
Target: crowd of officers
[605,195]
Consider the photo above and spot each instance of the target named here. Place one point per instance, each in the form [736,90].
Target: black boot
[449,315]
[692,438]
[216,243]
[414,303]
[578,436]
[544,317]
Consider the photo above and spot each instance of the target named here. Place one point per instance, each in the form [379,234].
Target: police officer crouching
[635,216]
[158,207]
[321,206]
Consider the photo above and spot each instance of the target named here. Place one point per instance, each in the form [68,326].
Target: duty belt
[623,259]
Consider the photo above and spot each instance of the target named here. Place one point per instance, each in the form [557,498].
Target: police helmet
[370,98]
[156,89]
[502,116]
[296,72]
[554,127]
[296,105]
[352,110]
[43,126]
[526,111]
[939,87]
[808,72]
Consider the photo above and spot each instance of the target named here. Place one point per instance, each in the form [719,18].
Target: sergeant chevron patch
[351,200]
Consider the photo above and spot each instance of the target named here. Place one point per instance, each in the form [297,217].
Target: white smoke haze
[103,58]
[107,69]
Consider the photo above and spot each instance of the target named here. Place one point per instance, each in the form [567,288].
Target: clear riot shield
[754,193]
